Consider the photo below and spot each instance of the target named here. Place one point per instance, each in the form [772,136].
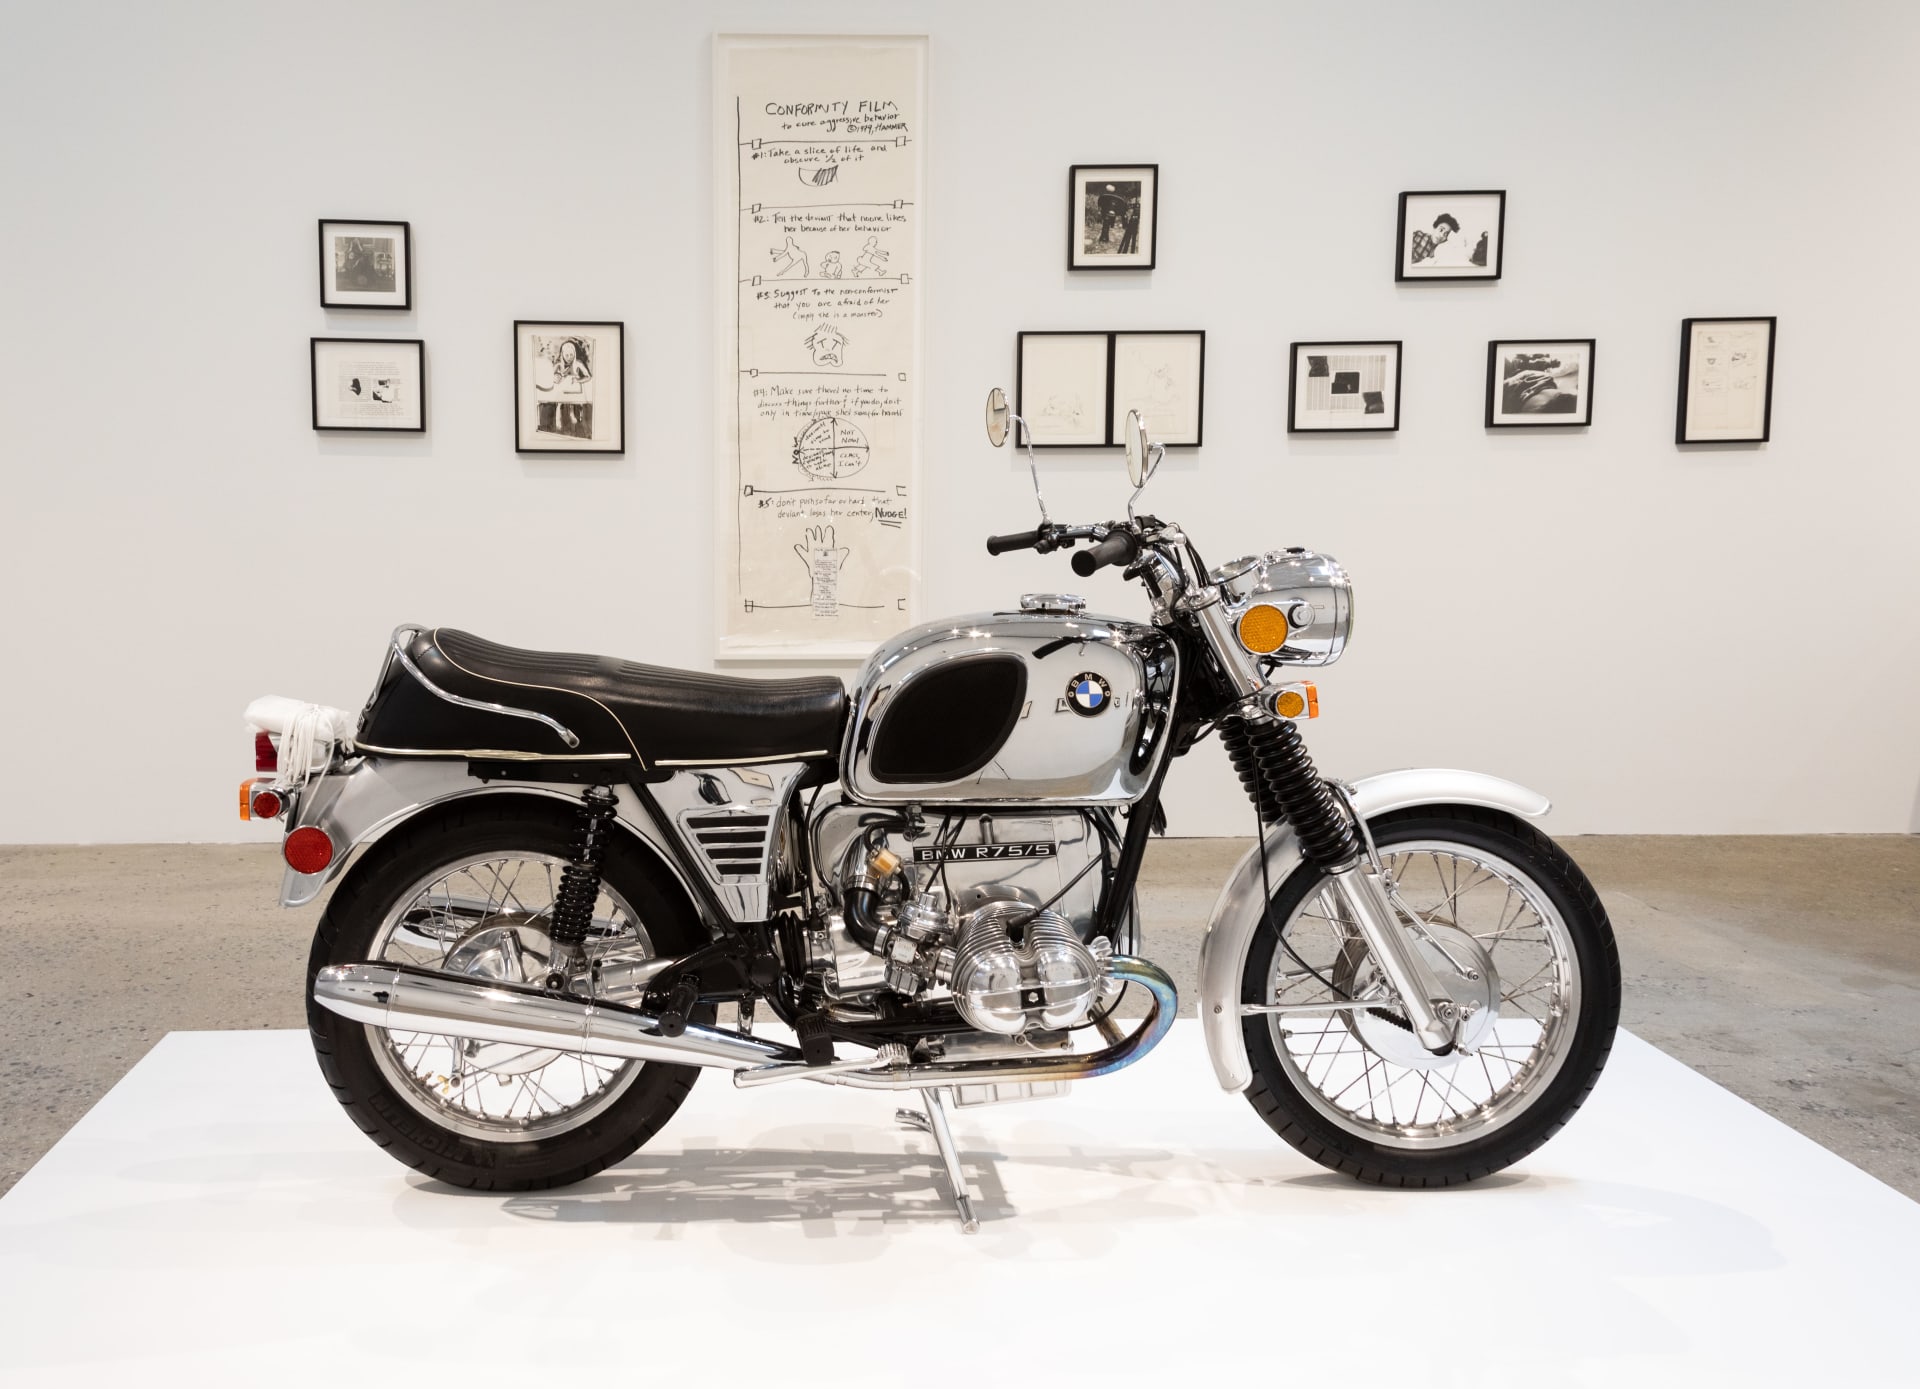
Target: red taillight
[308,850]
[266,805]
[266,757]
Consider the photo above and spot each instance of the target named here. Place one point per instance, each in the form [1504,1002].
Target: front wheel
[1517,935]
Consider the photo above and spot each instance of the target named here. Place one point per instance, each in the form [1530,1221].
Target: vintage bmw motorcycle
[567,866]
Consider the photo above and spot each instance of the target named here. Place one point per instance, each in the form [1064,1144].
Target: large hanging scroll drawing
[821,187]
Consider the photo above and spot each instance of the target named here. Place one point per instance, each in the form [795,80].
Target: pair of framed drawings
[568,386]
[1074,390]
[367,383]
[1354,387]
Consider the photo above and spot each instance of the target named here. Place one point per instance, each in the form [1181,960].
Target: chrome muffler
[403,999]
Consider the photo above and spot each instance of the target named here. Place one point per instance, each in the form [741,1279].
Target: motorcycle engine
[957,912]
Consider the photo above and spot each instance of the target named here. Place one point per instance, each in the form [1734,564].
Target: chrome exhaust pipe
[403,999]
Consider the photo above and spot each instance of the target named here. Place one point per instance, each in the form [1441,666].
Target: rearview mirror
[997,416]
[1138,459]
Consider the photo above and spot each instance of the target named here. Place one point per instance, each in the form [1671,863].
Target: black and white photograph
[369,384]
[1344,387]
[1112,216]
[1726,381]
[1163,376]
[366,265]
[568,387]
[1450,236]
[1535,383]
[1063,384]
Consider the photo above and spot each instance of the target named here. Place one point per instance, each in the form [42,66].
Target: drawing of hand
[816,550]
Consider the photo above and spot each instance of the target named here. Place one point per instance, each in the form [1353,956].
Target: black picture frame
[1114,402]
[1294,351]
[1401,244]
[1150,217]
[419,347]
[565,327]
[1579,418]
[1681,435]
[1106,397]
[405,276]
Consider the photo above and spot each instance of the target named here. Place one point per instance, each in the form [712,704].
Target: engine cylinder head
[1049,980]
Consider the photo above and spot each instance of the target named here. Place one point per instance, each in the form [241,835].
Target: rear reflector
[266,805]
[308,850]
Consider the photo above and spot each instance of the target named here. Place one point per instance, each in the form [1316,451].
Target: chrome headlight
[1289,605]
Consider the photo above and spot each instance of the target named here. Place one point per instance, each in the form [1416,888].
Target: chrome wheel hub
[1465,970]
[514,948]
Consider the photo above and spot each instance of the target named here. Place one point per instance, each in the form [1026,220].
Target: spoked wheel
[473,896]
[1516,935]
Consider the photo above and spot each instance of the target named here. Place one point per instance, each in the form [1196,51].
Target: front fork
[1280,777]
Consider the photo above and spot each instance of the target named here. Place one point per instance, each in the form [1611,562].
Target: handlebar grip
[1117,548]
[1019,540]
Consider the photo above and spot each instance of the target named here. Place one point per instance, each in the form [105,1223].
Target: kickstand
[935,1123]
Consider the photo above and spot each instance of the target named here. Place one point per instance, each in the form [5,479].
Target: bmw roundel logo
[1088,694]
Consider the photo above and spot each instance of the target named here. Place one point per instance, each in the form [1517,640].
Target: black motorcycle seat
[662,716]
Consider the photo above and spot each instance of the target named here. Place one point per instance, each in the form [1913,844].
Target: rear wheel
[1520,940]
[471,894]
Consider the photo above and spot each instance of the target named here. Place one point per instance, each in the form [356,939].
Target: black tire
[1276,1096]
[345,1048]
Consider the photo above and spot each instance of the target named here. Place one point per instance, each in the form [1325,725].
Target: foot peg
[816,1044]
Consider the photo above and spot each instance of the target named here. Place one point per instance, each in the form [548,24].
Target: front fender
[379,794]
[1237,912]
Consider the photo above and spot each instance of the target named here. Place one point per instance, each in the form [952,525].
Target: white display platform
[217,1220]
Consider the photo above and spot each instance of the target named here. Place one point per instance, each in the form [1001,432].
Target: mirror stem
[1024,437]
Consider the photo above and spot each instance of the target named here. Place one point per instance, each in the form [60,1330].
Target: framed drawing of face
[569,387]
[366,265]
[1344,388]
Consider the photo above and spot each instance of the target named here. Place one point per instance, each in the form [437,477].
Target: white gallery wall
[1663,640]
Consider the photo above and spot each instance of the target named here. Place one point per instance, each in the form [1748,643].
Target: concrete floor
[1786,969]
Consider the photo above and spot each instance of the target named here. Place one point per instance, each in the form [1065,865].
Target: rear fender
[1238,911]
[377,795]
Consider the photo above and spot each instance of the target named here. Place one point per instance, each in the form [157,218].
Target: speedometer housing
[1310,590]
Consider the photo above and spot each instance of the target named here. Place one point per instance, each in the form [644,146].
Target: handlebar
[1018,540]
[1117,548]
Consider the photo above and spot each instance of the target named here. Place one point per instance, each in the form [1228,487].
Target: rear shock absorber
[1273,757]
[572,915]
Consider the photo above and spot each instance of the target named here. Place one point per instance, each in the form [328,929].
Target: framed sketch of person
[369,384]
[569,391]
[1535,383]
[1450,236]
[1726,381]
[1063,384]
[365,265]
[1344,388]
[1163,376]
[1113,216]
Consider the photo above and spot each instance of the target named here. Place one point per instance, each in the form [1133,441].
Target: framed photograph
[1344,387]
[1163,376]
[1063,383]
[369,383]
[1450,236]
[1726,381]
[366,265]
[569,391]
[1538,382]
[1113,216]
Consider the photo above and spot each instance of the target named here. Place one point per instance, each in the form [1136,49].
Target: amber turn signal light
[1263,629]
[1301,701]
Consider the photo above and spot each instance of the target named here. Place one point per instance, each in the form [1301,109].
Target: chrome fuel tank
[1011,708]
